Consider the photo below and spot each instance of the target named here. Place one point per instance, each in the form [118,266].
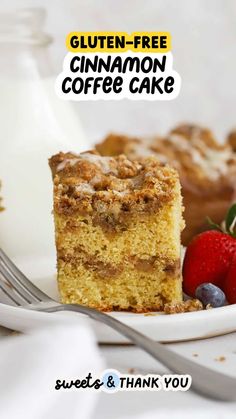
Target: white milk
[34,124]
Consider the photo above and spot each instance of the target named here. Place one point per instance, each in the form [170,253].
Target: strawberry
[209,255]
[207,259]
[230,283]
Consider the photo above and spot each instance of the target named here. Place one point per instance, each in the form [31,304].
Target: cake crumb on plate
[220,358]
[183,307]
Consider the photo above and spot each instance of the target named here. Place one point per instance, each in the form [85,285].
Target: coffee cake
[117,227]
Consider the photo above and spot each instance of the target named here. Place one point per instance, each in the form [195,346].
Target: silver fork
[25,294]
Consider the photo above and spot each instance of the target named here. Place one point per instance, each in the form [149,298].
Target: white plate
[165,328]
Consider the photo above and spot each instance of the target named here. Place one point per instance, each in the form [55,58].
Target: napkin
[53,346]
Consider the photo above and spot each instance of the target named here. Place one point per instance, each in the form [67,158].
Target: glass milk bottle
[34,124]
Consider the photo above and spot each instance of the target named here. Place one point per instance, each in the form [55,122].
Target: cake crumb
[208,307]
[131,370]
[1,207]
[184,307]
[195,355]
[220,359]
[151,314]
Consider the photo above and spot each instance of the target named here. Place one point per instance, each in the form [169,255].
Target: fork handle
[205,380]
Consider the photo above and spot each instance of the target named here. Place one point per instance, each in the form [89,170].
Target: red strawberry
[207,259]
[230,282]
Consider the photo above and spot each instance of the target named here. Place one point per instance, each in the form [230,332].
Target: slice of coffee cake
[117,225]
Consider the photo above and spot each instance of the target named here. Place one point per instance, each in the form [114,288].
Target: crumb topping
[89,182]
[201,161]
[211,159]
[183,307]
[232,140]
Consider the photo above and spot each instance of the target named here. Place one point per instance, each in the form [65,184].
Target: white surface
[161,405]
[168,328]
[30,364]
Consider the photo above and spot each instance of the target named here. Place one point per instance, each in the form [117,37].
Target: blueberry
[209,293]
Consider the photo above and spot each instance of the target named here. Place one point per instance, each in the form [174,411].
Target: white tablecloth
[63,346]
[168,405]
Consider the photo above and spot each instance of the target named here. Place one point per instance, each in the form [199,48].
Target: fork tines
[15,285]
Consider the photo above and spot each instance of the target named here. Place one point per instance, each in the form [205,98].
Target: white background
[204,47]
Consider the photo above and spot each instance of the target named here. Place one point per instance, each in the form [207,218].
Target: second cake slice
[117,225]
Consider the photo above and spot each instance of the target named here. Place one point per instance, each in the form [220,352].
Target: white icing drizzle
[143,149]
[96,179]
[64,163]
[85,188]
[213,162]
[121,193]
[104,163]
